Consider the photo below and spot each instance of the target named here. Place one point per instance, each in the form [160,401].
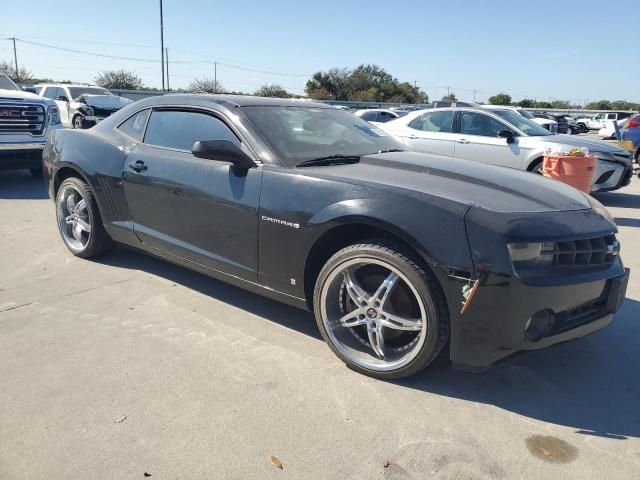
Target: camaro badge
[280,222]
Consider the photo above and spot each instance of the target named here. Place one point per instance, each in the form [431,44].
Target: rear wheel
[380,313]
[79,220]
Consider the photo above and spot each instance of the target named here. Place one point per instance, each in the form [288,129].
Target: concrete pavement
[130,367]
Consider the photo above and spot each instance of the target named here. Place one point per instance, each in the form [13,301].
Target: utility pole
[474,96]
[162,44]
[448,90]
[166,53]
[15,58]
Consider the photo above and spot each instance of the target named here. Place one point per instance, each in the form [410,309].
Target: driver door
[201,210]
[63,106]
[478,141]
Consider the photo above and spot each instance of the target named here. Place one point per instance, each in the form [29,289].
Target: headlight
[597,207]
[531,254]
[86,110]
[54,115]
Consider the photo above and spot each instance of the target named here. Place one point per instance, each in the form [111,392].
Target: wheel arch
[67,171]
[347,233]
[534,162]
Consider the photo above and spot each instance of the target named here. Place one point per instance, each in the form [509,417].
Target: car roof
[228,101]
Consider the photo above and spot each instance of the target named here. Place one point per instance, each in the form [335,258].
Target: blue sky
[540,49]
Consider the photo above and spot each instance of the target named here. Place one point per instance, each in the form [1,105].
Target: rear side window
[370,116]
[434,122]
[181,129]
[134,126]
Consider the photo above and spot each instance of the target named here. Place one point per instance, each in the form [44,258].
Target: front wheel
[79,220]
[78,122]
[379,311]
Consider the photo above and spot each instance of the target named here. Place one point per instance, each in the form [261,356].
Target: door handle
[138,166]
[463,141]
[413,137]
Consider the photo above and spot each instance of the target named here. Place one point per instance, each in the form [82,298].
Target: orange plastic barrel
[575,171]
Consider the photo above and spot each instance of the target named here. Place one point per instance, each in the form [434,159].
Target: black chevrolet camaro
[399,255]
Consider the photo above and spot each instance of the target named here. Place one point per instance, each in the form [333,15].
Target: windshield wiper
[330,160]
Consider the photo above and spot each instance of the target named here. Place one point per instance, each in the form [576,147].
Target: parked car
[546,123]
[631,132]
[82,106]
[608,132]
[25,121]
[503,137]
[379,115]
[395,252]
[574,127]
[599,121]
[563,124]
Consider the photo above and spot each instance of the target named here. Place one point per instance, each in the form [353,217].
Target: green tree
[451,97]
[363,83]
[272,90]
[526,103]
[561,104]
[9,68]
[543,105]
[121,79]
[205,85]
[500,99]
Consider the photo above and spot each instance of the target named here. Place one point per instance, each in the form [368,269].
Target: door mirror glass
[222,151]
[507,134]
[62,98]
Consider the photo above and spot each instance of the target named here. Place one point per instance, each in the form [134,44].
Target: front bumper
[580,298]
[610,176]
[16,156]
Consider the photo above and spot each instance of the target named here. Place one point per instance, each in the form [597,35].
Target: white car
[503,137]
[547,123]
[609,131]
[82,106]
[378,115]
[600,120]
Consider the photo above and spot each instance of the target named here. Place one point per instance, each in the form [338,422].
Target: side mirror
[62,98]
[222,151]
[507,134]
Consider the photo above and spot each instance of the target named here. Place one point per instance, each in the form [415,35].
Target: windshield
[529,127]
[78,91]
[6,83]
[299,134]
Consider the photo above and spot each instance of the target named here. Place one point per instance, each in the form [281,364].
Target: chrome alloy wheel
[373,314]
[74,221]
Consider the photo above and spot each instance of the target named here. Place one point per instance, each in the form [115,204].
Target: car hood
[105,101]
[593,145]
[22,95]
[494,188]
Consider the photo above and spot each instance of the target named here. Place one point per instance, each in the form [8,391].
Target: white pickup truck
[26,120]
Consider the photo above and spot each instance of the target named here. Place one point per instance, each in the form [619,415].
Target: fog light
[538,325]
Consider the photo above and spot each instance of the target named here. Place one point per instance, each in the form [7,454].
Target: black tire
[36,172]
[424,283]
[99,241]
[536,167]
[77,122]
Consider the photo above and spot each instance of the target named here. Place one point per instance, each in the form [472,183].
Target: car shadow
[20,185]
[285,315]
[591,384]
[618,199]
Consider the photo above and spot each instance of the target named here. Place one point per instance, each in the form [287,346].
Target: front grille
[591,252]
[103,112]
[588,312]
[22,118]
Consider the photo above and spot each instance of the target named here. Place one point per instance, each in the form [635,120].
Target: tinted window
[611,116]
[369,116]
[50,92]
[434,122]
[474,123]
[385,117]
[175,129]
[134,127]
[6,83]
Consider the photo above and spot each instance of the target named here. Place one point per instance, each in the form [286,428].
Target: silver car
[503,137]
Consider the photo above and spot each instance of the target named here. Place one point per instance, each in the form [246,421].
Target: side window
[369,116]
[611,116]
[62,93]
[134,126]
[181,129]
[441,121]
[50,92]
[385,117]
[599,116]
[474,123]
